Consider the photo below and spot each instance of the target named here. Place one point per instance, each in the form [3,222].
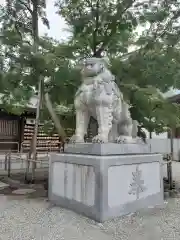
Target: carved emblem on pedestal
[137,186]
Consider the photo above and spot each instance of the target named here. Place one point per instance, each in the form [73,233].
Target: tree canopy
[140,38]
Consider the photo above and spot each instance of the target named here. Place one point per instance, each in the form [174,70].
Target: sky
[57,24]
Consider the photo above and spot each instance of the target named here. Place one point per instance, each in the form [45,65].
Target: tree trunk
[39,79]
[150,134]
[55,119]
[169,165]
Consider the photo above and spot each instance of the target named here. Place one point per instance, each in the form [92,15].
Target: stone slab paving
[29,219]
[23,191]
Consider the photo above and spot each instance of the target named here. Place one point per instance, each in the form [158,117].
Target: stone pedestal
[107,149]
[105,186]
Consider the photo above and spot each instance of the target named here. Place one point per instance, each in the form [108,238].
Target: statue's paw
[98,139]
[125,139]
[121,140]
[76,139]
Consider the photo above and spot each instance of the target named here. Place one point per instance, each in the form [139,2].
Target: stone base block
[104,187]
[107,148]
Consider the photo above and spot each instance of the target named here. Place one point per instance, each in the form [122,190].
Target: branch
[96,28]
[17,30]
[118,14]
[163,32]
[25,5]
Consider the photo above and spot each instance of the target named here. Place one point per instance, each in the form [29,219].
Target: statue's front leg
[104,118]
[82,120]
[103,106]
[125,128]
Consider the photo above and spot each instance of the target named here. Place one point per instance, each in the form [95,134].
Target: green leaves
[95,23]
[141,39]
[143,77]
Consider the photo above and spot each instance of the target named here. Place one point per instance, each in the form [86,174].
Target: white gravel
[29,219]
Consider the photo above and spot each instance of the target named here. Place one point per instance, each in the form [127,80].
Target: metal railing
[12,156]
[25,161]
[168,159]
[18,155]
[30,161]
[7,152]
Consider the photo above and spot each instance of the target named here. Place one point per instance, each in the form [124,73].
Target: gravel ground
[29,219]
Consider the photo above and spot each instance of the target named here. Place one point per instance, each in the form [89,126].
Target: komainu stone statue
[99,97]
